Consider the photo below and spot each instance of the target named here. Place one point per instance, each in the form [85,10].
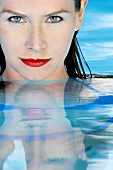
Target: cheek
[61,40]
[11,34]
[11,41]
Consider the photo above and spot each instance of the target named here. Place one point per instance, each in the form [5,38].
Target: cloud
[97,21]
[97,51]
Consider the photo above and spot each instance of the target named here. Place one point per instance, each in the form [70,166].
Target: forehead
[41,5]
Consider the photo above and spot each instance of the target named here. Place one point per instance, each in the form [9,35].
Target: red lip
[34,63]
[35,114]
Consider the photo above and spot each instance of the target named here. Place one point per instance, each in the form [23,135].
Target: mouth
[34,62]
[35,114]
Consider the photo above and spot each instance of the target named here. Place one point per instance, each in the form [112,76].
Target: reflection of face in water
[6,147]
[39,104]
[39,121]
[2,102]
[41,118]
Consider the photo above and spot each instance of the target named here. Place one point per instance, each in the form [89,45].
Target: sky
[96,36]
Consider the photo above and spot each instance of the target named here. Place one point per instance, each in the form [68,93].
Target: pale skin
[37,33]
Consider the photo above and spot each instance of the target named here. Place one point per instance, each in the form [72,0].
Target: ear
[80,14]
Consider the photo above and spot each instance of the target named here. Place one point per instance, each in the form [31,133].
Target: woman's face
[36,36]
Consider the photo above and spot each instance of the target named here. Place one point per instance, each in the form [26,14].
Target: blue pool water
[65,124]
[96,36]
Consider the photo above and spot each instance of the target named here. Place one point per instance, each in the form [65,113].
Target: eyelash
[61,19]
[16,22]
[19,17]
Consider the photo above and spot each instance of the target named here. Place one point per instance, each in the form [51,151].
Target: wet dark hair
[74,60]
[2,61]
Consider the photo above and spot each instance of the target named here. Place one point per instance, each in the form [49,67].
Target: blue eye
[16,19]
[55,19]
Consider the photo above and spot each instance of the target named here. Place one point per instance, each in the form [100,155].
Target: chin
[34,78]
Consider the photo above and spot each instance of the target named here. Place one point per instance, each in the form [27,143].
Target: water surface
[65,124]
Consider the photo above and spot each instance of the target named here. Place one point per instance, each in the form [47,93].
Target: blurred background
[96,36]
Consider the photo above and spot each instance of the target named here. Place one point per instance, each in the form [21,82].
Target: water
[65,124]
[96,36]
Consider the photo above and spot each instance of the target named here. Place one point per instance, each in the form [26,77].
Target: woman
[41,44]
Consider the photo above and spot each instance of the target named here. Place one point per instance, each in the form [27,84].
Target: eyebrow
[11,12]
[16,13]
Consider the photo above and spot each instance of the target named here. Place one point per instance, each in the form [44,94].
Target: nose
[35,41]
